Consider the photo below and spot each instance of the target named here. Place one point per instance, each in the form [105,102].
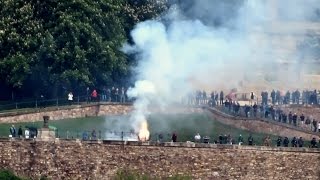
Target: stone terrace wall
[262,126]
[77,111]
[89,160]
[67,112]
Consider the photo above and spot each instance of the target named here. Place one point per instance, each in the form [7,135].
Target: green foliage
[133,175]
[44,178]
[129,175]
[179,177]
[47,45]
[8,175]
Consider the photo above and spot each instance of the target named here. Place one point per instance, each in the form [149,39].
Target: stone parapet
[72,159]
[67,112]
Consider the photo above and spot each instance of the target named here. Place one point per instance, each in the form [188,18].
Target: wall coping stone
[57,108]
[169,145]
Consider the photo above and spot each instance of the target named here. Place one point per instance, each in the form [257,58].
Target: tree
[48,47]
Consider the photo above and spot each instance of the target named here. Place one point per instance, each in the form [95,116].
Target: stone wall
[77,111]
[262,126]
[58,113]
[101,160]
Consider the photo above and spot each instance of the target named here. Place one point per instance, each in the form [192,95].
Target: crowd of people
[250,141]
[273,113]
[263,107]
[294,97]
[31,132]
[267,141]
[276,97]
[105,95]
[28,132]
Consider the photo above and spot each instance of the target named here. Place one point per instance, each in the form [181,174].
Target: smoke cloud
[214,45]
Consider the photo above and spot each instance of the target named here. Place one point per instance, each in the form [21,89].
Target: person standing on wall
[251,98]
[88,94]
[70,98]
[26,133]
[104,94]
[94,95]
[117,95]
[273,97]
[314,123]
[122,95]
[197,137]
[221,97]
[174,137]
[279,141]
[13,131]
[300,142]
[20,132]
[250,140]
[240,140]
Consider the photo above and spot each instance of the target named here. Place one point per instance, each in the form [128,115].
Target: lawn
[184,125]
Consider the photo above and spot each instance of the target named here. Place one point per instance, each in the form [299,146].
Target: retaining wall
[101,160]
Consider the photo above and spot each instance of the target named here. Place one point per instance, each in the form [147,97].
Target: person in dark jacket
[300,142]
[174,137]
[240,140]
[13,131]
[220,139]
[286,142]
[294,119]
[302,117]
[294,142]
[250,140]
[20,133]
[314,123]
[290,118]
[279,141]
[221,97]
[313,143]
[273,97]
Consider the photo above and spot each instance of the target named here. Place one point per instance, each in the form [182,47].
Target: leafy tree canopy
[54,45]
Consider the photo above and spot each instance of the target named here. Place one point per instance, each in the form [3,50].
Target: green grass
[185,125]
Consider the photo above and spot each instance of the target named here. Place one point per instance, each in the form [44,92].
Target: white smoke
[179,54]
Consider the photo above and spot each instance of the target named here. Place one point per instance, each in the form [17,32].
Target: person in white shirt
[70,97]
[197,137]
[27,133]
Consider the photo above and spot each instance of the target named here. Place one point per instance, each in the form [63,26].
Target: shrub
[132,175]
[8,175]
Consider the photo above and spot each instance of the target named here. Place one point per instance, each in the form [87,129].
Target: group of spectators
[276,97]
[294,97]
[200,98]
[106,94]
[270,108]
[29,132]
[273,113]
[267,141]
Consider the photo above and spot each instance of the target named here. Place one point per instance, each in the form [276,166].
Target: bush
[132,175]
[8,175]
[129,175]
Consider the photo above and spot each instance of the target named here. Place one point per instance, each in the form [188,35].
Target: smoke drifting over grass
[213,45]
